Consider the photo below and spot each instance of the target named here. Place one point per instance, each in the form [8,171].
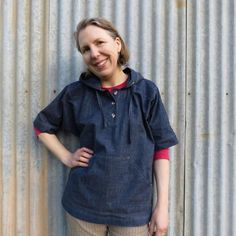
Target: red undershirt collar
[119,86]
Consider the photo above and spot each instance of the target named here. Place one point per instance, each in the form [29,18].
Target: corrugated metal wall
[186,47]
[210,182]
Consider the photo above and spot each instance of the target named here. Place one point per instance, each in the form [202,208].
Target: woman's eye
[100,42]
[85,50]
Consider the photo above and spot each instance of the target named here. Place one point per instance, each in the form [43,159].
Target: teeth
[101,63]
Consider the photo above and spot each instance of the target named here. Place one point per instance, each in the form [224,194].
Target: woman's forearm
[160,219]
[161,171]
[55,146]
[80,157]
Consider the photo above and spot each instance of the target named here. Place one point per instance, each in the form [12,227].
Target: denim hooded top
[123,128]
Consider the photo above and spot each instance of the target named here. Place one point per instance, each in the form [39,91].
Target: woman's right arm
[80,157]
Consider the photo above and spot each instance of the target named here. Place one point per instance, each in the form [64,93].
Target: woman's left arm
[159,221]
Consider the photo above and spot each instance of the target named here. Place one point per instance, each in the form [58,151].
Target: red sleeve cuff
[162,154]
[37,131]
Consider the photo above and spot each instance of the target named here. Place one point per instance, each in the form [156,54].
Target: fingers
[87,150]
[81,157]
[160,232]
[151,228]
[154,231]
[158,225]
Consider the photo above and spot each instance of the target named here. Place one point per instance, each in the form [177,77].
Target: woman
[124,136]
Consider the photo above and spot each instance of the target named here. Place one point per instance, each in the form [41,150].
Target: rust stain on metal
[181,4]
[205,135]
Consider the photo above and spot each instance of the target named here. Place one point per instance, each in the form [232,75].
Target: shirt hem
[80,213]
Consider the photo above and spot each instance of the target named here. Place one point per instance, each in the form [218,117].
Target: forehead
[92,33]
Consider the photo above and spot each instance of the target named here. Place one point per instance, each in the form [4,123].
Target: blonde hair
[106,25]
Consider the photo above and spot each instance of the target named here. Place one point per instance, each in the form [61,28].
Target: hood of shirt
[93,81]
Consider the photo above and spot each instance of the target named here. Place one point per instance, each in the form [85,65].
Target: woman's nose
[94,52]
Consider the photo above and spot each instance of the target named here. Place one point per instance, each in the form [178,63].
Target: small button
[113,115]
[115,93]
[113,103]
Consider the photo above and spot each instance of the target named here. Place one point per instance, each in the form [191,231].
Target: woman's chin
[102,74]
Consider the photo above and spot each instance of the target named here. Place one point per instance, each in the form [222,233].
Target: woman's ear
[118,43]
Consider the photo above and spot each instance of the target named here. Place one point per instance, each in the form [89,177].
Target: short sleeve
[162,132]
[58,115]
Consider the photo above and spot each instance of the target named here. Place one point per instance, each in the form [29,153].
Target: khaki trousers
[83,228]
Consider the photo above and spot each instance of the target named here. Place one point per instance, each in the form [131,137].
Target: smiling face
[100,51]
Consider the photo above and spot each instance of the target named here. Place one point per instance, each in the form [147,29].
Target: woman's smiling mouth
[100,64]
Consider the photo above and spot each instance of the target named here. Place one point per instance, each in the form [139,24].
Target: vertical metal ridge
[233,121]
[226,108]
[225,73]
[22,120]
[184,136]
[214,45]
[8,119]
[119,8]
[132,30]
[145,38]
[1,116]
[38,164]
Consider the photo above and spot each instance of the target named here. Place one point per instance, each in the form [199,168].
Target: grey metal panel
[171,77]
[210,119]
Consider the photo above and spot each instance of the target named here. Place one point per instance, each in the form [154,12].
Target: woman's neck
[117,78]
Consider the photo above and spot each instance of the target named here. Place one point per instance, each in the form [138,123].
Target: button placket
[113,103]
